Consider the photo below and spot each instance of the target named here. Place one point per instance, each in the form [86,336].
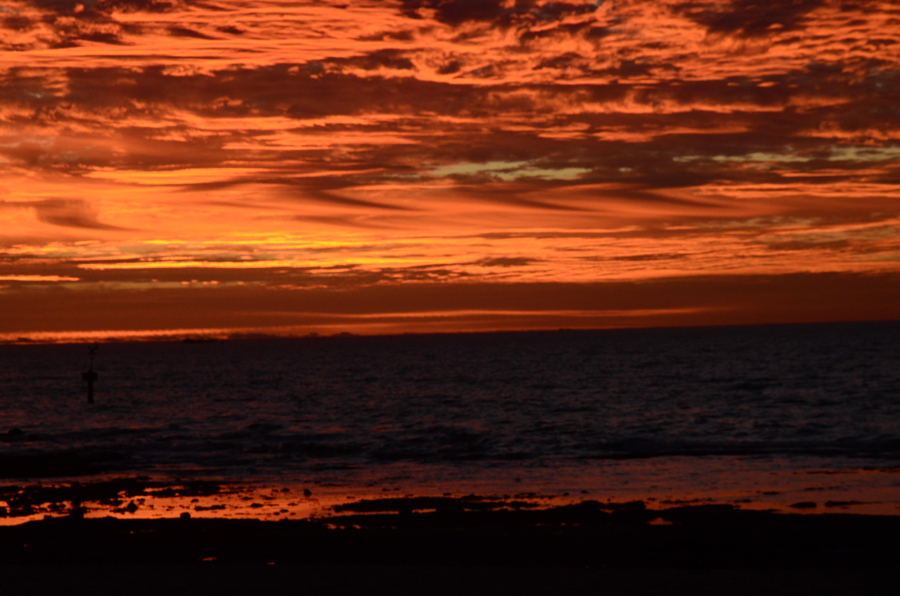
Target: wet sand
[812,490]
[443,545]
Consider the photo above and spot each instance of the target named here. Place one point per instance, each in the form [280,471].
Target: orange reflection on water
[661,483]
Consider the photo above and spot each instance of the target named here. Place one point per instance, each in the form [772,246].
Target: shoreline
[810,491]
[473,532]
[453,545]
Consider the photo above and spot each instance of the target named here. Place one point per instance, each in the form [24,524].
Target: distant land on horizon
[216,336]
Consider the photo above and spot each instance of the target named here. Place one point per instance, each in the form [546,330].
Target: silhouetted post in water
[90,376]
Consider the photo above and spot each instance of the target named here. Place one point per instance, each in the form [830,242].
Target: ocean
[791,417]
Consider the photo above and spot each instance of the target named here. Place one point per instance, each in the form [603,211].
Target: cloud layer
[283,147]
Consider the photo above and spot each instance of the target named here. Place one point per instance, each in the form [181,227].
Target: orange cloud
[290,144]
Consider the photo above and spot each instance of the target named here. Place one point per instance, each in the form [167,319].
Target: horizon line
[243,334]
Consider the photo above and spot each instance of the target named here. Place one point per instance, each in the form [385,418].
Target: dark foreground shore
[444,546]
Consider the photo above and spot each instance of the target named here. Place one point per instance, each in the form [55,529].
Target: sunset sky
[226,166]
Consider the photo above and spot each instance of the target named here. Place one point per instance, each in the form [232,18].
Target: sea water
[759,416]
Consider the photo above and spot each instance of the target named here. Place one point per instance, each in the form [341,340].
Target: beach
[470,545]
